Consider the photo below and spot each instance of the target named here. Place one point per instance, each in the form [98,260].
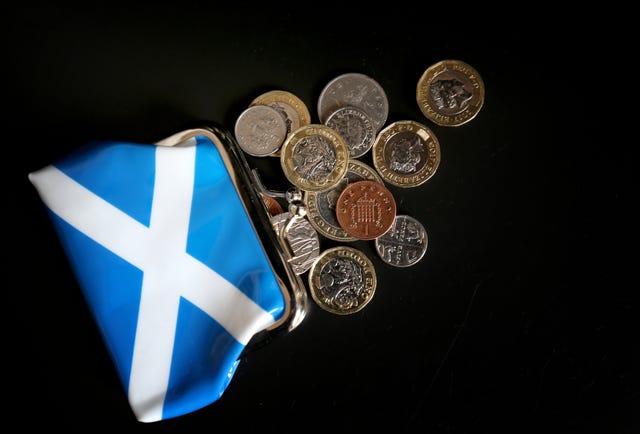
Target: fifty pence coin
[406,154]
[292,108]
[357,90]
[314,157]
[404,244]
[342,280]
[302,240]
[355,127]
[260,130]
[450,93]
[366,210]
[321,205]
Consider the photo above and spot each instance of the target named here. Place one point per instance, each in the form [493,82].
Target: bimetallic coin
[450,93]
[406,154]
[342,280]
[292,108]
[260,130]
[404,244]
[357,90]
[321,205]
[314,157]
[366,210]
[355,127]
[301,240]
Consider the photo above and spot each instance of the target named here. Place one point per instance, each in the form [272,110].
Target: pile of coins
[336,195]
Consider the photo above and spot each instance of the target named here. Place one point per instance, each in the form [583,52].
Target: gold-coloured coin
[314,157]
[342,280]
[321,205]
[450,93]
[406,154]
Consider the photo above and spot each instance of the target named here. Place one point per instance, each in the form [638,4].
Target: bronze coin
[273,206]
[366,210]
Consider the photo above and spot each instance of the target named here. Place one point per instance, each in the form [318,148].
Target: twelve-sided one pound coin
[342,280]
[450,93]
[406,154]
[314,157]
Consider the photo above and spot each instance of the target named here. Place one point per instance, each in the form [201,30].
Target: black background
[517,319]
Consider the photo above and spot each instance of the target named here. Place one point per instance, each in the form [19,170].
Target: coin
[450,93]
[314,157]
[292,108]
[404,244]
[260,130]
[366,210]
[406,154]
[342,280]
[321,205]
[301,240]
[355,127]
[273,206]
[358,90]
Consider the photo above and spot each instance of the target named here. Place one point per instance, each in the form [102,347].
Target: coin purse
[173,250]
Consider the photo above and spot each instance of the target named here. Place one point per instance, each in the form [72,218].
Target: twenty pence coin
[404,244]
[302,242]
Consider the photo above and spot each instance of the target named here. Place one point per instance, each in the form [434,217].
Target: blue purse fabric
[170,265]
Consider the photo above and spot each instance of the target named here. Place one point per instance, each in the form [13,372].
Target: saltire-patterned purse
[173,249]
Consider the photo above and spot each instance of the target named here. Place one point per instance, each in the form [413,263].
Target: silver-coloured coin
[355,127]
[288,113]
[404,244]
[357,90]
[321,205]
[260,130]
[301,238]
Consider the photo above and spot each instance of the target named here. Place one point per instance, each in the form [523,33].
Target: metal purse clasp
[279,252]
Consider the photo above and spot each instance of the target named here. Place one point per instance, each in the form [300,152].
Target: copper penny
[366,210]
[273,206]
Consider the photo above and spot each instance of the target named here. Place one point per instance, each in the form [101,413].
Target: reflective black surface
[517,318]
